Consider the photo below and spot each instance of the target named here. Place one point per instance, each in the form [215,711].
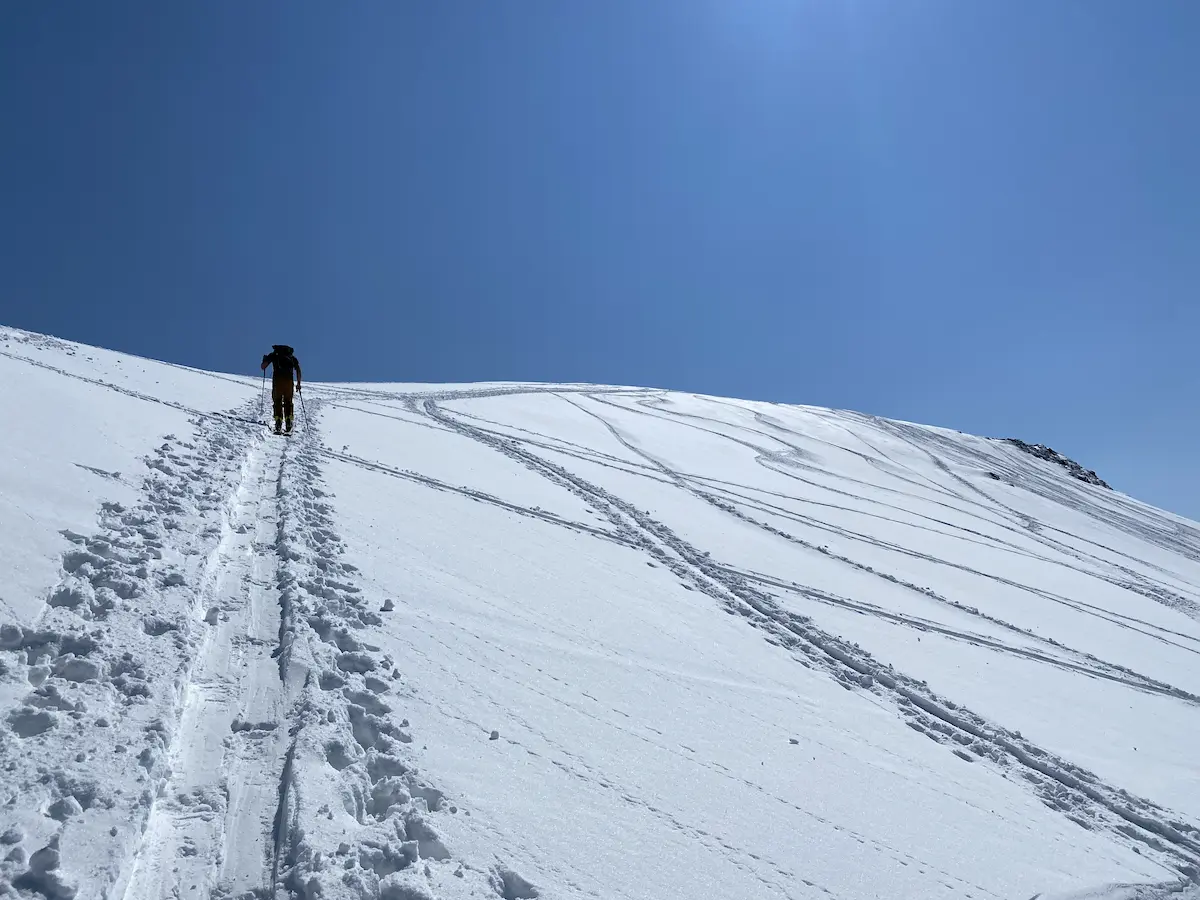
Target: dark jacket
[283,364]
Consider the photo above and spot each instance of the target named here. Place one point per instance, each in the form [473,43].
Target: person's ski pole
[303,411]
[262,400]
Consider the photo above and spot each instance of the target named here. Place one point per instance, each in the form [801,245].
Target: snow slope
[572,641]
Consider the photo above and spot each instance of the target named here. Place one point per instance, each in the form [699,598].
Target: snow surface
[571,641]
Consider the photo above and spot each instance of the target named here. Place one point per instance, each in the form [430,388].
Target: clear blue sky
[983,214]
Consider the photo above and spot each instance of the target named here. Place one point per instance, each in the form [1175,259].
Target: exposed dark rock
[1074,469]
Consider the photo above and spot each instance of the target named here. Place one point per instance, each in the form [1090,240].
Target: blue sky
[983,215]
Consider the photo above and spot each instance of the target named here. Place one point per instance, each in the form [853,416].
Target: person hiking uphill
[284,365]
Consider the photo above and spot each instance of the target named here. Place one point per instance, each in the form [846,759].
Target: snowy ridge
[572,641]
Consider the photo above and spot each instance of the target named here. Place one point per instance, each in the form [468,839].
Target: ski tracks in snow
[355,819]
[234,735]
[212,829]
[1061,785]
[93,694]
[203,657]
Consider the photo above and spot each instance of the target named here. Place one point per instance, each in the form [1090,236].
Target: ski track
[246,416]
[107,667]
[1052,650]
[686,483]
[1017,468]
[205,650]
[211,829]
[1061,785]
[354,817]
[981,505]
[1172,539]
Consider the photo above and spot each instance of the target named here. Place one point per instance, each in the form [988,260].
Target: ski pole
[262,399]
[303,411]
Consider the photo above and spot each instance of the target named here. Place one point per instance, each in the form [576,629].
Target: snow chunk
[29,722]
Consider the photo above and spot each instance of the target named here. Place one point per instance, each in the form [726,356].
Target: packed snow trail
[213,826]
[113,662]
[200,650]
[225,653]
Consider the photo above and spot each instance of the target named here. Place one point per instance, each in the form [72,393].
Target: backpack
[283,359]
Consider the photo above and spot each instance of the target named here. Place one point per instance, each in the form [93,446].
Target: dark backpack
[283,360]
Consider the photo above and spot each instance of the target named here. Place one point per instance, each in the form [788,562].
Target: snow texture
[568,641]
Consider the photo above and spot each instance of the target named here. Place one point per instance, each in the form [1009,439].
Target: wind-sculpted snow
[572,641]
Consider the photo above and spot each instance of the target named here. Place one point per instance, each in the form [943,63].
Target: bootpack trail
[202,650]
[213,826]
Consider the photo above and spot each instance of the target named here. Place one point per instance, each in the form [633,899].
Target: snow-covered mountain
[570,641]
